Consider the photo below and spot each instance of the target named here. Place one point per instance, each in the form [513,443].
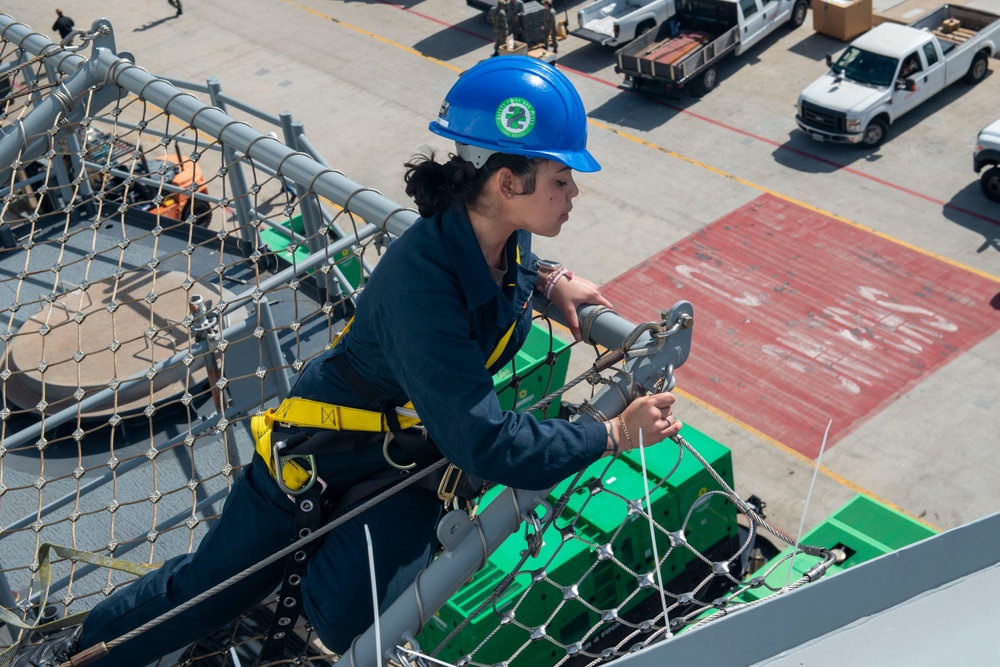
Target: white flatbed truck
[684,51]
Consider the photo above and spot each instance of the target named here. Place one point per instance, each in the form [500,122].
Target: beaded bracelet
[554,278]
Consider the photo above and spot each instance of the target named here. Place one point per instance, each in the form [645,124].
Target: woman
[448,305]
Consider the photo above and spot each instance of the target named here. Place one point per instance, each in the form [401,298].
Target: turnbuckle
[533,540]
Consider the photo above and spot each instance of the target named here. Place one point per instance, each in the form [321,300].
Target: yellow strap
[306,413]
[501,346]
[340,334]
[44,564]
[314,414]
[292,473]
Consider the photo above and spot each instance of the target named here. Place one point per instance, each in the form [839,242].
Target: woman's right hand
[649,417]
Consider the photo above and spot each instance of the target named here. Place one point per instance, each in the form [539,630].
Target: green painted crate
[711,522]
[863,527]
[279,241]
[598,517]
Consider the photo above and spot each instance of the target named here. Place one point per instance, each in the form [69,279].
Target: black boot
[53,651]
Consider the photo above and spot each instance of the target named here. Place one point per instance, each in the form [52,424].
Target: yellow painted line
[702,165]
[368,33]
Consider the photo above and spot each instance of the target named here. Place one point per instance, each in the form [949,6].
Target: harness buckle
[450,480]
[279,465]
[385,452]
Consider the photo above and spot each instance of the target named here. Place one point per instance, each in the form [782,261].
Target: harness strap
[331,422]
[308,518]
[305,412]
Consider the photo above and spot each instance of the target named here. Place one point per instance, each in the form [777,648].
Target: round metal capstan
[86,340]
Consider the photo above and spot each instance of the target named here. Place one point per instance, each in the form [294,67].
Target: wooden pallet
[675,49]
[958,36]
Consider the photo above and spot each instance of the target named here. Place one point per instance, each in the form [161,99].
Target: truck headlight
[853,124]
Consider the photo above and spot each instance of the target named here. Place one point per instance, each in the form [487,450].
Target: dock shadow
[815,46]
[969,208]
[633,110]
[154,24]
[473,33]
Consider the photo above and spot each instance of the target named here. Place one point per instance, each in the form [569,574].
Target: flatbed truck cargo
[894,68]
[617,22]
[685,51]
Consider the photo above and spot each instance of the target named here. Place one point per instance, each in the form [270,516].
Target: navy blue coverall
[424,326]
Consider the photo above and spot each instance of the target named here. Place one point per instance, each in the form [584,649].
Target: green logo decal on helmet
[515,117]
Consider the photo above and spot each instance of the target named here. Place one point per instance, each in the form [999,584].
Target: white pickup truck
[987,154]
[892,69]
[615,22]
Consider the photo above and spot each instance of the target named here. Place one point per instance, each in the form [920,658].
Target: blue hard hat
[519,105]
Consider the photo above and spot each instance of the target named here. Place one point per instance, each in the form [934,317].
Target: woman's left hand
[568,295]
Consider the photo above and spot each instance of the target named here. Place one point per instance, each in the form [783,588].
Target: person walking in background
[177,5]
[63,25]
[498,19]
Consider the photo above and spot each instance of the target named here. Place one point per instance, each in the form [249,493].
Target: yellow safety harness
[305,413]
[299,482]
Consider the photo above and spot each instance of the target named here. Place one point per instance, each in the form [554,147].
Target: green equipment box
[538,369]
[863,528]
[596,558]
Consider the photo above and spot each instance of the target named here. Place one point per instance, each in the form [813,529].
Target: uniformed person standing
[549,27]
[515,12]
[498,19]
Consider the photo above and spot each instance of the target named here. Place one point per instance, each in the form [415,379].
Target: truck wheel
[875,133]
[798,14]
[644,27]
[708,80]
[990,183]
[978,69]
[202,213]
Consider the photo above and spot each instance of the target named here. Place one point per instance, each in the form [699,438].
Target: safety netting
[166,267]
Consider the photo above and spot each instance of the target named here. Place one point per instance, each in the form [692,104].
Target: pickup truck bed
[614,22]
[674,61]
[969,23]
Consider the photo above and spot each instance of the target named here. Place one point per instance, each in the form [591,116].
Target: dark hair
[434,186]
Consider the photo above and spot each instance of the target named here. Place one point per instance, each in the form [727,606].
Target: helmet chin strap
[474,154]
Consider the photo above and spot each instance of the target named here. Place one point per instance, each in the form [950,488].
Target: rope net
[160,286]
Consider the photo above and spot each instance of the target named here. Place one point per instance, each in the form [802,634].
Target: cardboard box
[520,48]
[842,19]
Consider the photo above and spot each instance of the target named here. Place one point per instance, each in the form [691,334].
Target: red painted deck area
[800,318]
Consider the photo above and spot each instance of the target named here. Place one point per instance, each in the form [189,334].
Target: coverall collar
[470,264]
